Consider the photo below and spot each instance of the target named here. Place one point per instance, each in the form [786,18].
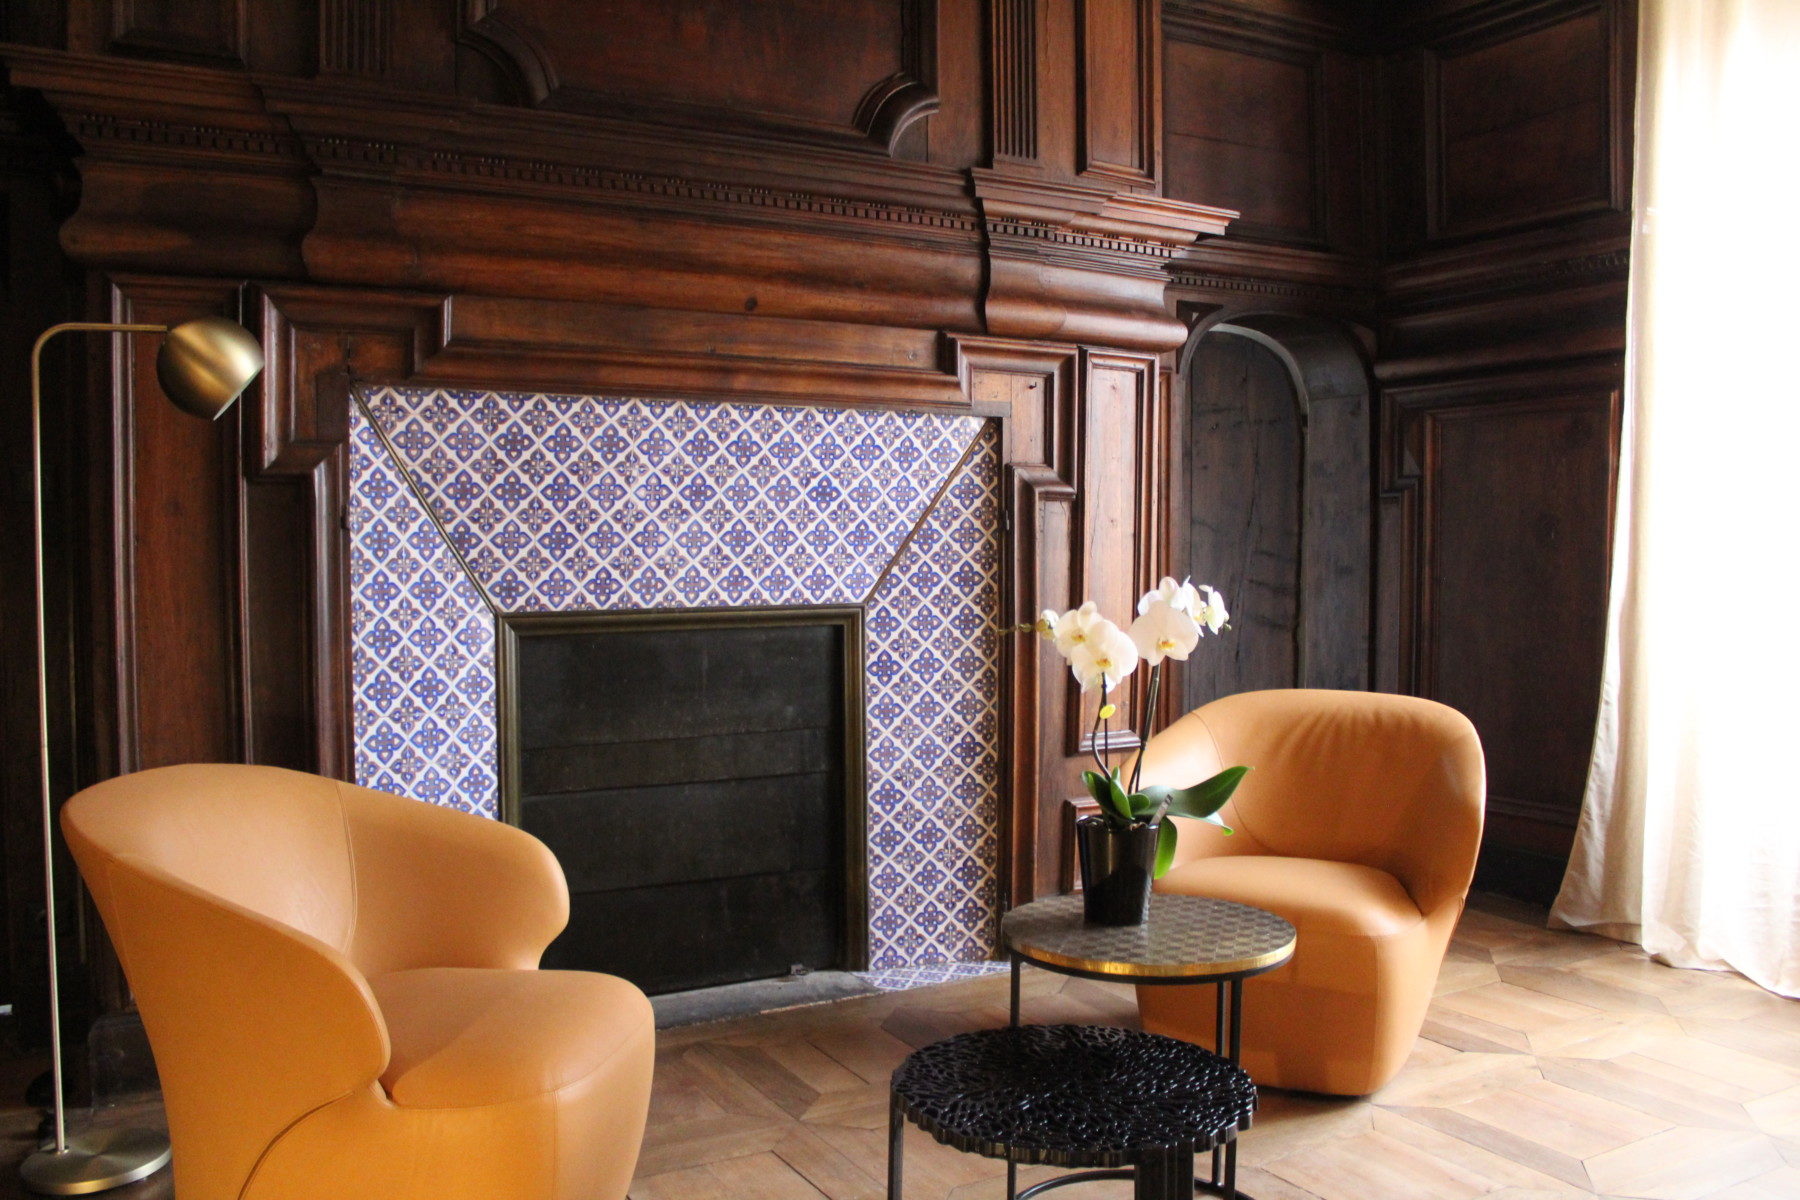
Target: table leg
[1012,1178]
[1164,1175]
[1230,1191]
[1237,1019]
[896,1144]
[1015,994]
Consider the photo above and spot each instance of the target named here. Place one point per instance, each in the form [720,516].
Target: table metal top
[1185,937]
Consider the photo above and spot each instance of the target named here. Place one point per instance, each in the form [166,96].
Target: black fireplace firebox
[699,773]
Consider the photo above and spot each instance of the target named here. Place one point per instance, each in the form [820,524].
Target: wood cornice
[352,182]
[1048,241]
[1245,271]
[178,163]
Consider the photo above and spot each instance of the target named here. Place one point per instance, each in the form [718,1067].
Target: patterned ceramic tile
[563,503]
[572,504]
[934,728]
[422,647]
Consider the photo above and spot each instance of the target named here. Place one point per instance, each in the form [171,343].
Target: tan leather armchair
[340,988]
[1359,822]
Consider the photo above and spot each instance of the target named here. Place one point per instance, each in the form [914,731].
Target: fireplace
[475,513]
[699,775]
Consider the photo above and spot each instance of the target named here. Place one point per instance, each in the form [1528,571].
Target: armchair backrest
[273,841]
[250,906]
[1393,782]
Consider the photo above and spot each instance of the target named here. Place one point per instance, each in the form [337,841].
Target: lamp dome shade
[205,364]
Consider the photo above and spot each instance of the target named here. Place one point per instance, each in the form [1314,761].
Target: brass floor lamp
[203,366]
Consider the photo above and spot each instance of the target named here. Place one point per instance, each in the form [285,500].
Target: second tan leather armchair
[1359,822]
[341,992]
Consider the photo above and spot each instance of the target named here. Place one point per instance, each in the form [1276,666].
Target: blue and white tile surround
[573,503]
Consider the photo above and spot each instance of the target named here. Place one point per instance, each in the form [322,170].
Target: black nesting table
[1122,1103]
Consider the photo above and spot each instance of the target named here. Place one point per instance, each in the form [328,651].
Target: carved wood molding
[345,182]
[1049,244]
[1013,79]
[1233,23]
[182,169]
[484,26]
[355,37]
[1031,389]
[1436,280]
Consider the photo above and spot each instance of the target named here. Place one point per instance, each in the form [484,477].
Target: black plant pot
[1116,869]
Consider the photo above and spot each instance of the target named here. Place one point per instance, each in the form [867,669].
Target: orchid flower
[1164,631]
[1072,629]
[1105,656]
[1179,596]
[1211,612]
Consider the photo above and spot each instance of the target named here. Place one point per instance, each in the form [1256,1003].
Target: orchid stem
[1094,741]
[1137,770]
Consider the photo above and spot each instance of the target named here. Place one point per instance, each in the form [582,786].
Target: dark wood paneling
[1521,127]
[1516,510]
[1013,72]
[1245,125]
[199,30]
[1270,105]
[1509,524]
[172,551]
[36,292]
[825,65]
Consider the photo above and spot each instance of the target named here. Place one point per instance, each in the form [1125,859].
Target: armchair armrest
[439,888]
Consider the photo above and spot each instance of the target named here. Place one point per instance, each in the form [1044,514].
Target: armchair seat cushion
[464,1037]
[1319,897]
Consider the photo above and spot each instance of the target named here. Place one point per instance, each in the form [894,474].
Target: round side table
[1073,1096]
[1185,940]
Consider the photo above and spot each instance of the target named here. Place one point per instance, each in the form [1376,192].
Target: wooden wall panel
[808,63]
[171,553]
[1520,127]
[1119,90]
[1511,524]
[1270,104]
[1120,452]
[198,30]
[1243,127]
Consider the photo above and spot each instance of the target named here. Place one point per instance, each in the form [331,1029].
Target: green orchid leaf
[1206,798]
[1214,818]
[1165,848]
[1098,786]
[1156,792]
[1109,795]
[1141,805]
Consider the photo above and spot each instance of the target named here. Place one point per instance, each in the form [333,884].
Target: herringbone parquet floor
[1552,1065]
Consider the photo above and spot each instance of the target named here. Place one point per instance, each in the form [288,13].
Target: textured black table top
[1185,937]
[1073,1095]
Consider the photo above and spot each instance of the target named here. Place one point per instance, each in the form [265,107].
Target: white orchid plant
[1171,620]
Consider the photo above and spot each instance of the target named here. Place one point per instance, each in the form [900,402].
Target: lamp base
[96,1161]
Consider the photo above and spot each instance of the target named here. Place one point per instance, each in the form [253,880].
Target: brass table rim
[1131,970]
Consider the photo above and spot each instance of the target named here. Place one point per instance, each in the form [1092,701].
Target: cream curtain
[1689,841]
